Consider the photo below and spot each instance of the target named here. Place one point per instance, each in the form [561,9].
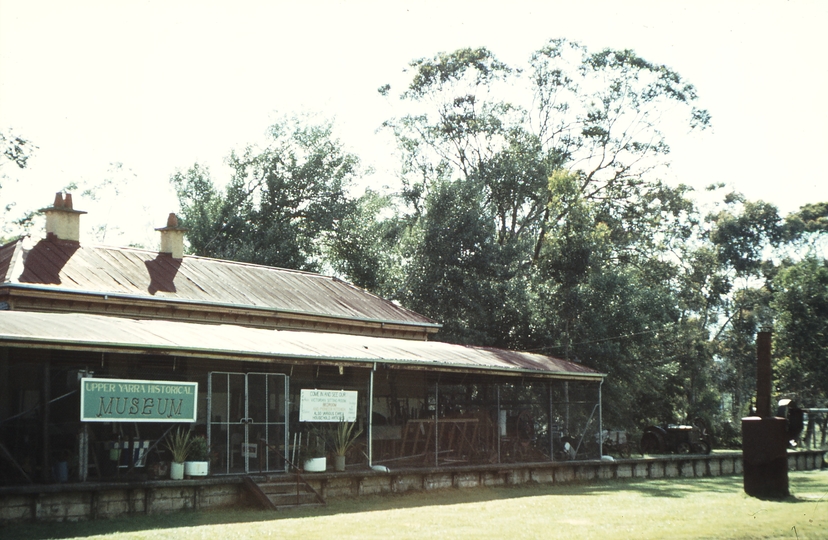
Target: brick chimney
[62,221]
[172,238]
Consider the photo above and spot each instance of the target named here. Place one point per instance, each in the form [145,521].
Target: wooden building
[100,347]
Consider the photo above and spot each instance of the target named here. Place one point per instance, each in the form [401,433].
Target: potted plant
[178,444]
[343,436]
[198,459]
[313,454]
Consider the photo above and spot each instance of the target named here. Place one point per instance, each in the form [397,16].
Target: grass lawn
[674,508]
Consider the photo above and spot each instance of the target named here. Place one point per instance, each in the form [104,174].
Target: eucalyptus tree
[800,301]
[557,161]
[735,346]
[592,118]
[507,130]
[282,202]
[806,230]
[459,274]
[369,243]
[750,289]
[615,297]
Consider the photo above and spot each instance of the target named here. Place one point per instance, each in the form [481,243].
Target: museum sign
[129,400]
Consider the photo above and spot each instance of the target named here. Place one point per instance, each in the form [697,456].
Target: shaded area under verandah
[443,419]
[419,417]
[421,403]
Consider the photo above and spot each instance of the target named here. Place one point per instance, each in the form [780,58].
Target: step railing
[264,445]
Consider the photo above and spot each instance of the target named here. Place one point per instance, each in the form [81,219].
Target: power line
[644,332]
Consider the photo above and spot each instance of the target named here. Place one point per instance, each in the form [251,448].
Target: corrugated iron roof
[69,266]
[98,332]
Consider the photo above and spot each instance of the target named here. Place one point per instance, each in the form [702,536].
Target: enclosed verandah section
[441,419]
[416,403]
[251,417]
[406,418]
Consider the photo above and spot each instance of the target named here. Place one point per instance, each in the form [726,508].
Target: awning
[77,331]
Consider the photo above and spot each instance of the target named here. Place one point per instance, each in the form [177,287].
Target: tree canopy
[537,219]
[282,201]
[530,212]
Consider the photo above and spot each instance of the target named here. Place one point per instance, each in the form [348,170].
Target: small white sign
[250,450]
[328,405]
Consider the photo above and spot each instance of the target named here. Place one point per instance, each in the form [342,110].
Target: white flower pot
[316,464]
[176,471]
[196,468]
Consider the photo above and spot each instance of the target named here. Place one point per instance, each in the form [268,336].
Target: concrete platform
[91,500]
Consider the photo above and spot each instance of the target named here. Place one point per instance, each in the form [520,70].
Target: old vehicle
[677,439]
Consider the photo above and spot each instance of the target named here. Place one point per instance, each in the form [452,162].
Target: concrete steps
[283,493]
[286,493]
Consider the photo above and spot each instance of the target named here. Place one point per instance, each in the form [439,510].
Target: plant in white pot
[313,454]
[198,459]
[343,437]
[178,444]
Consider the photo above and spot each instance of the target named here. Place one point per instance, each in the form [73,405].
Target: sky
[138,89]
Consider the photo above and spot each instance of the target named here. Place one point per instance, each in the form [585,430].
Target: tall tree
[594,113]
[801,343]
[741,235]
[369,244]
[742,290]
[459,273]
[282,201]
[559,233]
[464,130]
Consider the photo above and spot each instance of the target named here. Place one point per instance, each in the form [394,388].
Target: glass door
[247,427]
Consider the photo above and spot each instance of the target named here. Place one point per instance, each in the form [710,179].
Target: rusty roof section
[105,333]
[136,273]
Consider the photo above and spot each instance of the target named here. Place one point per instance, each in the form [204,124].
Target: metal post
[549,423]
[245,453]
[600,422]
[436,420]
[83,453]
[371,416]
[262,452]
[47,390]
[286,418]
[209,407]
[499,428]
